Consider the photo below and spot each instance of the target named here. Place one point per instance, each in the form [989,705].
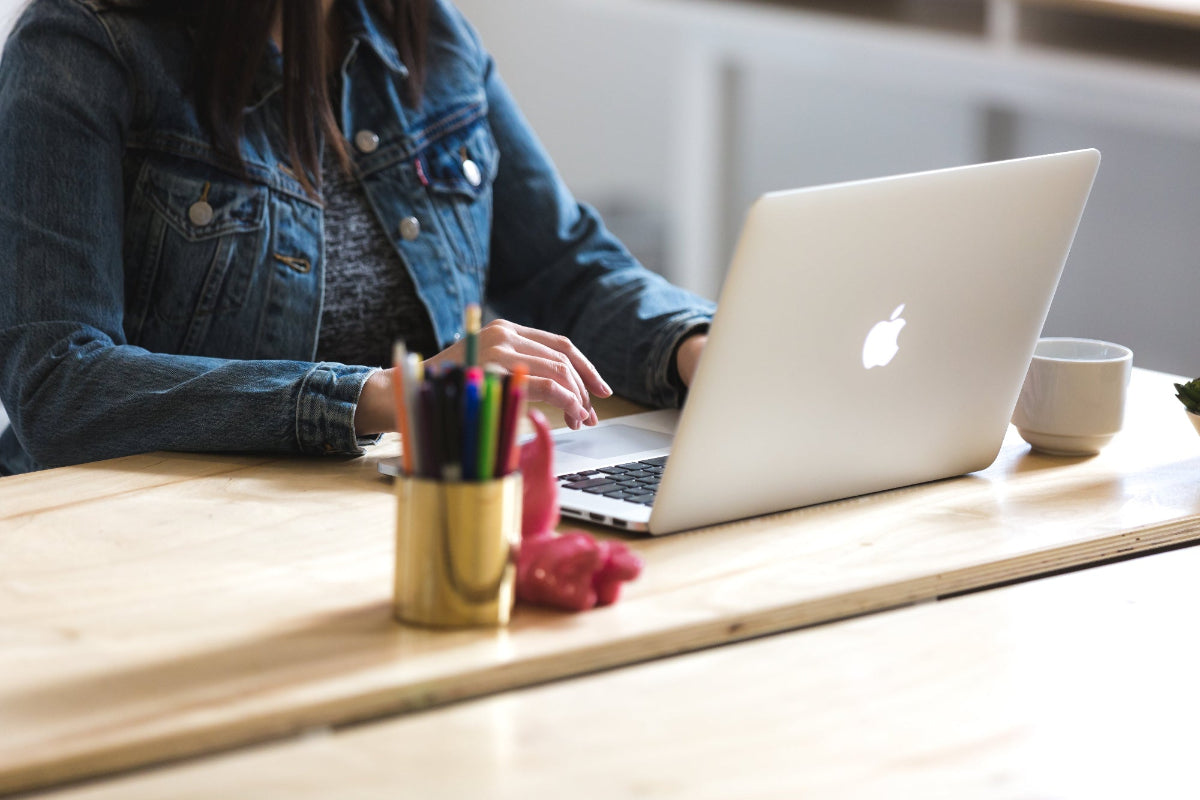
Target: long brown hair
[231,43]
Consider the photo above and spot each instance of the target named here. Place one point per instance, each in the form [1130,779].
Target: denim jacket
[153,297]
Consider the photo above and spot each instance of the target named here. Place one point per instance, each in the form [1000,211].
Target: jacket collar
[362,27]
[365,27]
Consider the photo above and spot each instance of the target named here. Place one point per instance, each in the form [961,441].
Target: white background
[8,12]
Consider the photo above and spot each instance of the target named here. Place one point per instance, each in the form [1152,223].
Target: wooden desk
[168,605]
[1080,685]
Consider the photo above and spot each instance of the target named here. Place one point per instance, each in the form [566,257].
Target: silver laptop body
[950,272]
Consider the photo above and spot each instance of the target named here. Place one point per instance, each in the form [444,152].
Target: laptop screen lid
[869,335]
[791,406]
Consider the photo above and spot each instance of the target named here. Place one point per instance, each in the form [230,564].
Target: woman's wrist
[376,410]
[687,356]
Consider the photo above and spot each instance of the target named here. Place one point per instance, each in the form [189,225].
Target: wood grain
[202,603]
[1079,685]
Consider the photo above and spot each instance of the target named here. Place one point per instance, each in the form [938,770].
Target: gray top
[370,299]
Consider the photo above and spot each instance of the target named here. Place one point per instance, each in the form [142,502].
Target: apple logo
[880,346]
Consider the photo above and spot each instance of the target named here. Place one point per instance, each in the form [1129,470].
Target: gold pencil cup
[456,551]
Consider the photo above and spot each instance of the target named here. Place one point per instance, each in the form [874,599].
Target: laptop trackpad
[611,440]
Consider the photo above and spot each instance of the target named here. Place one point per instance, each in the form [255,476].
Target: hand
[558,373]
[687,356]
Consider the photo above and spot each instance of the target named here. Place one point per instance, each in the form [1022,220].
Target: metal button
[471,172]
[200,213]
[366,141]
[410,228]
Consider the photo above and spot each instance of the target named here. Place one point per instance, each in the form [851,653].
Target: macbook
[869,335]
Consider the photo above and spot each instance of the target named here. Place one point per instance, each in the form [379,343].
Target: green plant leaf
[1189,394]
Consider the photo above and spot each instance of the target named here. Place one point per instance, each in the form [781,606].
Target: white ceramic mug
[1073,399]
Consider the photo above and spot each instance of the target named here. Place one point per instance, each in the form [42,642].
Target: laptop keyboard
[636,481]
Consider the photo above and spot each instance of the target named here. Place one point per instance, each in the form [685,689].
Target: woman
[216,216]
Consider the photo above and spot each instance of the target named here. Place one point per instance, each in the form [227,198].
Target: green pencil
[474,317]
[489,425]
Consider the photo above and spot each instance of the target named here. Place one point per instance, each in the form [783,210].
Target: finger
[506,344]
[546,390]
[549,369]
[553,379]
[561,344]
[451,355]
[549,376]
[538,348]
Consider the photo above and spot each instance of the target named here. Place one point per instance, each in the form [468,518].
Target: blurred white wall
[601,93]
[792,98]
[8,14]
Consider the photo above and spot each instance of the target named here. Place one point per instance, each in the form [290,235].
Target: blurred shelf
[1160,32]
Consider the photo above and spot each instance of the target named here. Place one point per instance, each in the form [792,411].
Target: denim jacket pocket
[193,242]
[459,169]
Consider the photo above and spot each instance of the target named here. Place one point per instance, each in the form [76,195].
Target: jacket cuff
[325,409]
[664,387]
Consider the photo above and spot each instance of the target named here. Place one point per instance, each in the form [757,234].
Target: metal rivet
[471,172]
[200,213]
[410,228]
[366,141]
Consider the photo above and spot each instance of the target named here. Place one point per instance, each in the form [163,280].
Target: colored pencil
[414,373]
[429,431]
[400,398]
[508,457]
[450,419]
[474,316]
[489,423]
[472,402]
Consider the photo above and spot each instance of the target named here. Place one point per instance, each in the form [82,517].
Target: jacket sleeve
[555,266]
[74,388]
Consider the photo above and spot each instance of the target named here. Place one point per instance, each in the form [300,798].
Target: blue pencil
[472,395]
